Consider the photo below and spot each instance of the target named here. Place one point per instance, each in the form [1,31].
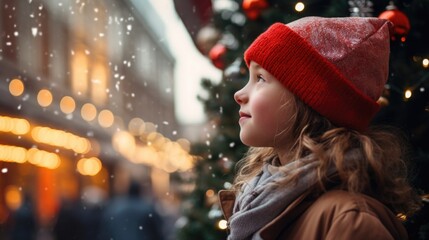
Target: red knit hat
[337,66]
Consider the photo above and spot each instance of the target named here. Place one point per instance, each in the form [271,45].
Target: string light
[425,63]
[88,112]
[222,224]
[44,98]
[16,87]
[105,118]
[67,104]
[16,126]
[89,166]
[299,6]
[408,93]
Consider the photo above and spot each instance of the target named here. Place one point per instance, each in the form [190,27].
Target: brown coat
[336,214]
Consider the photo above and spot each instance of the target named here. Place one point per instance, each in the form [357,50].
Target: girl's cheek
[263,111]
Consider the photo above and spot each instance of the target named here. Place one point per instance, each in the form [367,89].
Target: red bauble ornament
[253,8]
[217,55]
[401,24]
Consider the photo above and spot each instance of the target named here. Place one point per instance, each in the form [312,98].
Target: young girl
[315,169]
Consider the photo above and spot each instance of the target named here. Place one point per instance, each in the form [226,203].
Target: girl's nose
[240,96]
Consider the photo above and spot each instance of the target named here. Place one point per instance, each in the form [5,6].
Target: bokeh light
[88,112]
[67,104]
[16,87]
[105,118]
[44,98]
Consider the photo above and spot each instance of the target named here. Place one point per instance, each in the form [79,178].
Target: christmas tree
[234,25]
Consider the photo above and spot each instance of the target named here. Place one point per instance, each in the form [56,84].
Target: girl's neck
[285,155]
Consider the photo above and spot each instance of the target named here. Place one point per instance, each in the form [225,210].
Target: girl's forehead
[254,65]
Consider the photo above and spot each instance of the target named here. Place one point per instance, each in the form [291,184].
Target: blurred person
[91,211]
[68,225]
[23,221]
[131,217]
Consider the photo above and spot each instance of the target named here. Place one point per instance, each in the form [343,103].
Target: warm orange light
[299,6]
[44,98]
[16,126]
[210,193]
[99,84]
[89,166]
[13,154]
[61,138]
[16,87]
[184,144]
[124,143]
[408,93]
[136,126]
[88,112]
[222,224]
[13,197]
[67,104]
[105,118]
[425,63]
[79,73]
[43,158]
[21,127]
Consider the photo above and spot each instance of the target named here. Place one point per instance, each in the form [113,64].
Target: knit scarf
[268,194]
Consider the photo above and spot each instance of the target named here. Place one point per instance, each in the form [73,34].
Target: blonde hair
[371,162]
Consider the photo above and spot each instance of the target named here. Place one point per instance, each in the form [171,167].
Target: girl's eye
[260,78]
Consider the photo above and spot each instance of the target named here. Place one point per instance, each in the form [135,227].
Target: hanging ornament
[253,8]
[217,55]
[360,8]
[401,24]
[206,38]
[383,101]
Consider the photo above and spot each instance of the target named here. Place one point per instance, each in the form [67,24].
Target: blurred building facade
[86,91]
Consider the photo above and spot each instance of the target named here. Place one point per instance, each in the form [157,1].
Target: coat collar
[298,206]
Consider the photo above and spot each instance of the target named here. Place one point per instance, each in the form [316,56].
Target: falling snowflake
[4,170]
[232,144]
[34,31]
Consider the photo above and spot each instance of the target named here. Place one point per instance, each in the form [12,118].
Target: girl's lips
[243,116]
